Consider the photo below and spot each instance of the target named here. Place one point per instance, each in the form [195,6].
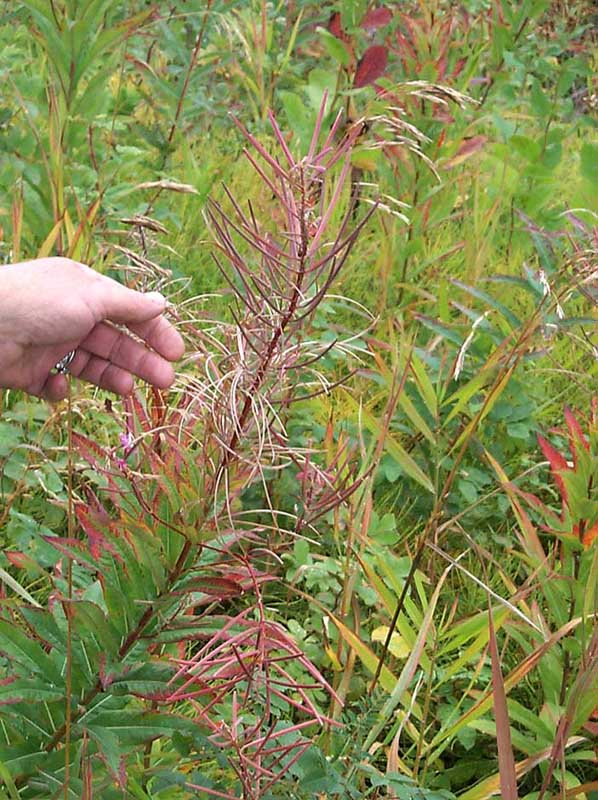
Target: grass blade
[17,588]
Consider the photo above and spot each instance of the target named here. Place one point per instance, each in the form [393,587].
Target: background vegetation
[354,552]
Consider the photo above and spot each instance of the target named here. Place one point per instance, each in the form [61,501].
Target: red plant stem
[287,317]
[181,100]
[302,254]
[192,63]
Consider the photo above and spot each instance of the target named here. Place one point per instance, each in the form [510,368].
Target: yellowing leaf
[398,647]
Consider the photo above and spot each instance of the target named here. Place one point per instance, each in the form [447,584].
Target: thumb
[125,306]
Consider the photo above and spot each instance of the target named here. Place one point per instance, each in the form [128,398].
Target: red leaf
[88,449]
[558,463]
[19,559]
[97,541]
[376,18]
[506,758]
[590,535]
[136,411]
[575,434]
[441,65]
[217,587]
[335,27]
[467,149]
[458,68]
[371,66]
[71,548]
[406,47]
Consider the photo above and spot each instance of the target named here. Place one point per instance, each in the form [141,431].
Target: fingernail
[156,297]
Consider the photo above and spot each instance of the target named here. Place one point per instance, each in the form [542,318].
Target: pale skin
[51,306]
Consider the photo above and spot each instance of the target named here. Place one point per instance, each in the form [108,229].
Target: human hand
[51,306]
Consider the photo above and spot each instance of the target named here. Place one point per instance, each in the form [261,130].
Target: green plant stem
[500,64]
[68,606]
[182,96]
[410,235]
[425,710]
[189,73]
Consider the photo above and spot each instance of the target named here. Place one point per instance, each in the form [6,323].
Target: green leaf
[320,81]
[442,330]
[399,691]
[109,746]
[526,147]
[19,647]
[135,728]
[32,690]
[23,758]
[45,626]
[589,161]
[335,47]
[489,300]
[352,12]
[10,437]
[424,385]
[539,101]
[145,680]
[94,624]
[396,450]
[367,656]
[383,529]
[9,785]
[299,118]
[7,578]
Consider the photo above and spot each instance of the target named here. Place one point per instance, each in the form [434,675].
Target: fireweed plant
[149,660]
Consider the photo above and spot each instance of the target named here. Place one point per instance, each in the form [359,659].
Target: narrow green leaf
[17,646]
[513,320]
[93,623]
[425,386]
[399,691]
[16,587]
[9,785]
[33,690]
[397,451]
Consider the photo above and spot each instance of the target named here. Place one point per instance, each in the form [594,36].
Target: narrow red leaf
[88,448]
[335,27]
[97,541]
[406,48]
[558,463]
[371,66]
[217,587]
[458,68]
[467,148]
[71,548]
[576,434]
[136,411]
[441,67]
[20,560]
[506,758]
[376,18]
[590,535]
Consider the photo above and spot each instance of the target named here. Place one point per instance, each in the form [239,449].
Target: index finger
[161,336]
